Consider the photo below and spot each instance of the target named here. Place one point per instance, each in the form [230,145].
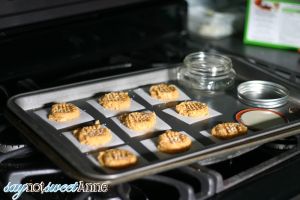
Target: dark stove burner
[284,144]
[9,138]
[17,158]
[158,187]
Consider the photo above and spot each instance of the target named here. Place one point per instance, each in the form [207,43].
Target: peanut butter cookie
[229,130]
[164,92]
[115,101]
[93,135]
[117,158]
[139,121]
[62,112]
[192,109]
[173,142]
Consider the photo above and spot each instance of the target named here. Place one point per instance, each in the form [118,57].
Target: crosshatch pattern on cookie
[160,125]
[135,106]
[115,140]
[151,145]
[141,160]
[44,112]
[191,120]
[144,93]
[215,139]
[163,91]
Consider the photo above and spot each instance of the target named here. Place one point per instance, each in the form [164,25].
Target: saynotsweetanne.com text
[18,189]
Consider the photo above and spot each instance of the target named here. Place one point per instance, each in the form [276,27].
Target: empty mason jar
[207,71]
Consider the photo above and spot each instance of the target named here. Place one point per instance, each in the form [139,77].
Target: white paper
[84,117]
[86,148]
[210,136]
[191,120]
[146,96]
[94,159]
[151,145]
[110,113]
[159,126]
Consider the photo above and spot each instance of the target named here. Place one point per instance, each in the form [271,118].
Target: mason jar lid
[262,94]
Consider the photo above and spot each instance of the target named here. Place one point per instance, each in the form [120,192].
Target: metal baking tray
[80,165]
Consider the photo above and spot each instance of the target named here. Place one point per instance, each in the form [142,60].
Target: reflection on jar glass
[207,71]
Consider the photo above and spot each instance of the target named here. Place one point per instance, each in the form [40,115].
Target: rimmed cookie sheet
[76,161]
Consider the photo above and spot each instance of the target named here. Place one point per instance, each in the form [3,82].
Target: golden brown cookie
[61,112]
[139,121]
[192,109]
[115,101]
[173,142]
[117,158]
[228,130]
[164,92]
[93,135]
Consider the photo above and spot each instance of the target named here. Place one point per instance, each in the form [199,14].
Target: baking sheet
[210,136]
[79,165]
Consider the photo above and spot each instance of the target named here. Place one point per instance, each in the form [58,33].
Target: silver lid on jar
[262,94]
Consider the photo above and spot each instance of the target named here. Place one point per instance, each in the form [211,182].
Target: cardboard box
[273,23]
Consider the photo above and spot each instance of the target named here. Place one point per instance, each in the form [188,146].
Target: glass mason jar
[207,71]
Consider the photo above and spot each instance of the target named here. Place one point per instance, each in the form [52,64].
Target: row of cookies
[146,120]
[170,141]
[121,101]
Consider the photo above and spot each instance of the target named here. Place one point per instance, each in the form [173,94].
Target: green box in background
[273,23]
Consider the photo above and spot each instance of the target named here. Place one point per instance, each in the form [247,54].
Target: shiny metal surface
[227,156]
[262,94]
